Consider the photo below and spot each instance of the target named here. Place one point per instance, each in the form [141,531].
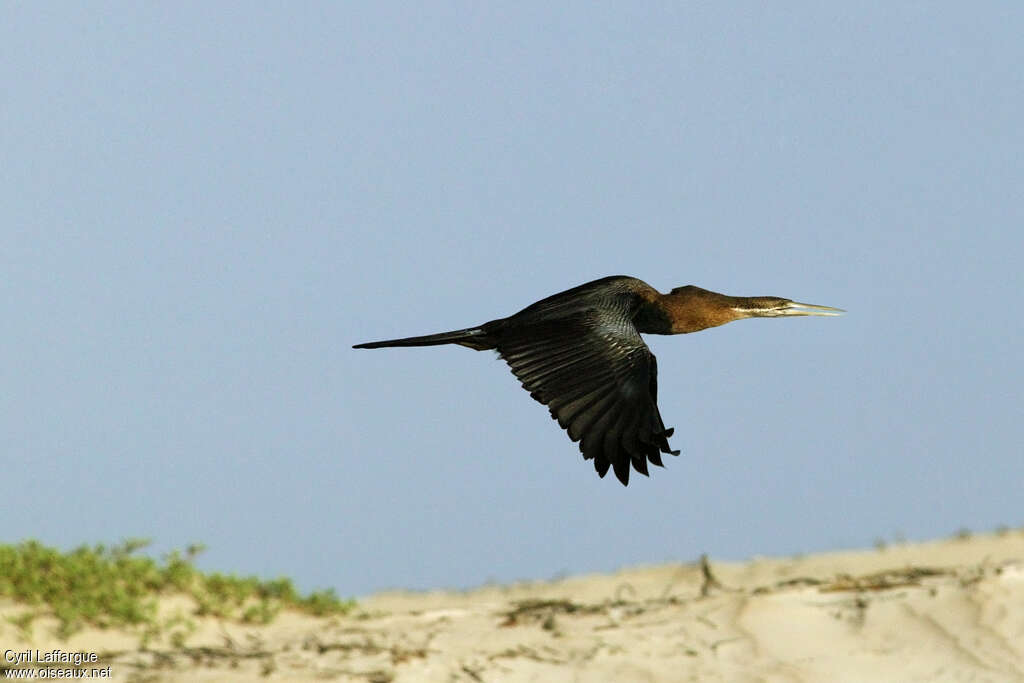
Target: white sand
[945,611]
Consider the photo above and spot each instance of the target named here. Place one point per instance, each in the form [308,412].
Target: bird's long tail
[473,337]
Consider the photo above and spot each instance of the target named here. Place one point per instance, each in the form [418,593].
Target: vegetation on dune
[113,586]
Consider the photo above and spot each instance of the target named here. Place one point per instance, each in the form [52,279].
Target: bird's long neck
[688,309]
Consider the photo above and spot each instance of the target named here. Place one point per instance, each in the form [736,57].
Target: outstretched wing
[599,380]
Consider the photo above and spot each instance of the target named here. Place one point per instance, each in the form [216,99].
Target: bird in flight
[580,353]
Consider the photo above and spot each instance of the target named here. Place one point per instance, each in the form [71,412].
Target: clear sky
[206,204]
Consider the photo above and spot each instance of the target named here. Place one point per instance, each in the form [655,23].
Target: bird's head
[775,307]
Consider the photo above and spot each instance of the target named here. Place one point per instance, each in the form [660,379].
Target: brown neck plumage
[688,309]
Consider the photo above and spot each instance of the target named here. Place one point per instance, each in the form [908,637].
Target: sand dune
[949,610]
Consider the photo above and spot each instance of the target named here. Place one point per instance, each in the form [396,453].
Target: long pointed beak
[797,308]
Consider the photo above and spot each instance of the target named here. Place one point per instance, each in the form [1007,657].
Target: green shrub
[109,587]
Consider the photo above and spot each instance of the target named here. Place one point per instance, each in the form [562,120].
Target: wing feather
[598,378]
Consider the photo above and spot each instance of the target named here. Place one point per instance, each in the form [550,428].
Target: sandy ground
[949,610]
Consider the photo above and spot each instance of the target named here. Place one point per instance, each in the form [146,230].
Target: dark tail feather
[473,337]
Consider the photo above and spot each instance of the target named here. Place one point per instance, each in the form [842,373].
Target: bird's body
[580,353]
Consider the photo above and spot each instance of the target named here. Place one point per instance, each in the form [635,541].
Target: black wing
[599,380]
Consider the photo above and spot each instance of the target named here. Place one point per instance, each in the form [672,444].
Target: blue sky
[207,204]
